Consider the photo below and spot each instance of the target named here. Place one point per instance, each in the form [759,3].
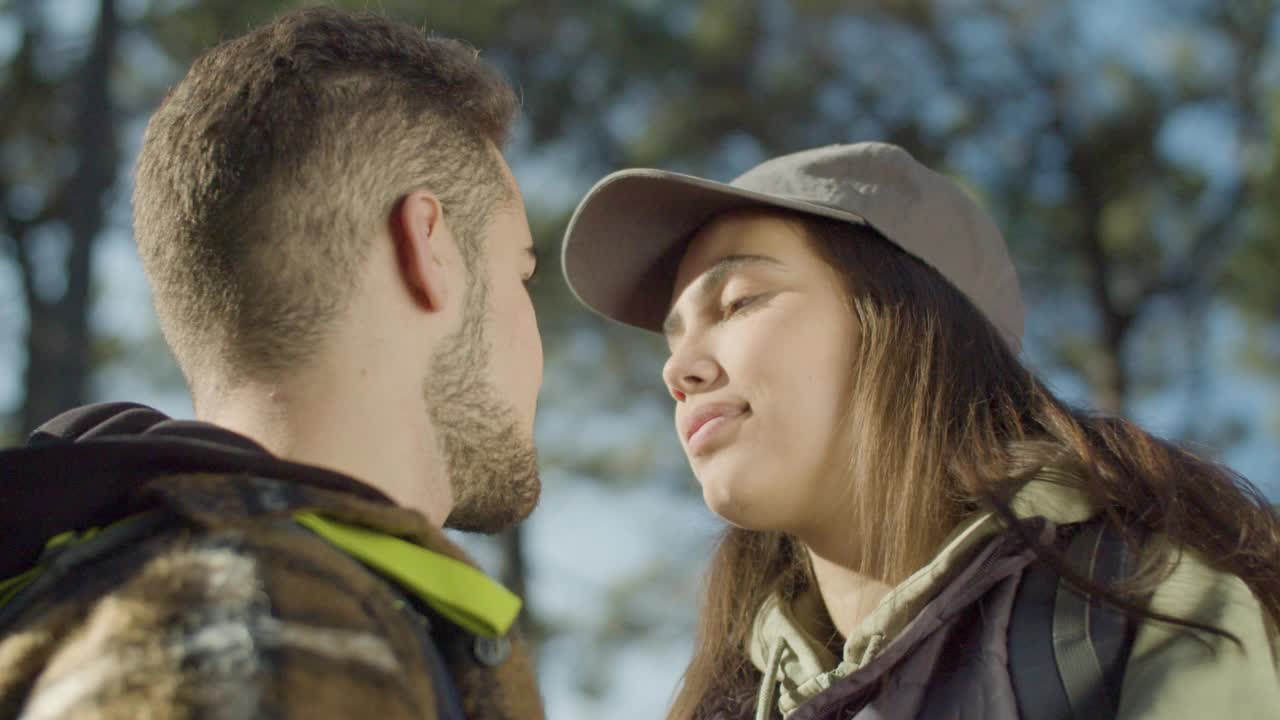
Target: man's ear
[421,236]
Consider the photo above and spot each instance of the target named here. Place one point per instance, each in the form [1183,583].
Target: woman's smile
[711,432]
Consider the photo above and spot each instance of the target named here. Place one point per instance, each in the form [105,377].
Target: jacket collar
[94,465]
[797,666]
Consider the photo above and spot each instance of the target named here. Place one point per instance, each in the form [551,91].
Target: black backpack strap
[1067,655]
[425,622]
[60,560]
[1091,642]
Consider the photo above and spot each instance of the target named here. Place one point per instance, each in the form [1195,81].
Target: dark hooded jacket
[226,608]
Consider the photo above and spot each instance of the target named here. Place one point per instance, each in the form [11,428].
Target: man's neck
[366,432]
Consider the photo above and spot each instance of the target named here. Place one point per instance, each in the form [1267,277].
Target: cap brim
[626,238]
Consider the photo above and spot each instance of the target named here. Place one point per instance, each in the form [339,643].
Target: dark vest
[1006,639]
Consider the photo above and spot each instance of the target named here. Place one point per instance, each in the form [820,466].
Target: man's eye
[530,281]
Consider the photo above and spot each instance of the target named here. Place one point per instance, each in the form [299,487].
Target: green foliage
[1253,273]
[1251,278]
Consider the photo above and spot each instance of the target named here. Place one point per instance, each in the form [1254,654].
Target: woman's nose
[687,374]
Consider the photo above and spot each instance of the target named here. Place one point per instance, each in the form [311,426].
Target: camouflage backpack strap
[1067,655]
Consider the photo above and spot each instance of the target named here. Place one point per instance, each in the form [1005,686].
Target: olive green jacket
[1171,672]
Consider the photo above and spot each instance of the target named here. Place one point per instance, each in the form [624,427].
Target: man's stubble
[492,463]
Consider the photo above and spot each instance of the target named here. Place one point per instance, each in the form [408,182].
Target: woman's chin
[739,506]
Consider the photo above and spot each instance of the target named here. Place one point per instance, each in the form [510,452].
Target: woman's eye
[734,306]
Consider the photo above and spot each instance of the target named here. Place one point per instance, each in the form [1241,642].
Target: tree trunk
[513,564]
[58,339]
[514,575]
[1109,376]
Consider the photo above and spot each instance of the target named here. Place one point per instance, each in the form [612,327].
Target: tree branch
[1210,247]
[17,231]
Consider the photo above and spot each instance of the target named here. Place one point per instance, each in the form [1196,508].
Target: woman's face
[761,338]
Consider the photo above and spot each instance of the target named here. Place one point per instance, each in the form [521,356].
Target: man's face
[482,388]
[508,264]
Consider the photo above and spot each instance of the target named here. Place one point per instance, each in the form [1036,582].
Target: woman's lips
[706,425]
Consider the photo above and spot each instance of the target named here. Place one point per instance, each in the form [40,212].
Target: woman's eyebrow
[674,325]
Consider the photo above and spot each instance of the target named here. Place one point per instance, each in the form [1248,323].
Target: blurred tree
[1077,139]
[1253,277]
[60,160]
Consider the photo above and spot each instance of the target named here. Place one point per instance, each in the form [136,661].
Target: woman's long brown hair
[943,420]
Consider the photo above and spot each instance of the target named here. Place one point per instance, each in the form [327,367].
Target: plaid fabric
[239,613]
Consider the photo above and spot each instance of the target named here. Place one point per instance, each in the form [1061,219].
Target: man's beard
[492,463]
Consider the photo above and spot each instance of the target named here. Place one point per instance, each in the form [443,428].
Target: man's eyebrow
[674,325]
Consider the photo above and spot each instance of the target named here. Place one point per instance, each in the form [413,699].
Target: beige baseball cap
[627,236]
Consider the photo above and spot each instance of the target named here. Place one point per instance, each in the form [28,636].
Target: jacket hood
[88,467]
[796,666]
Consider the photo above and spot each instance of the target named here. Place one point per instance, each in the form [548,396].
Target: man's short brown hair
[268,169]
